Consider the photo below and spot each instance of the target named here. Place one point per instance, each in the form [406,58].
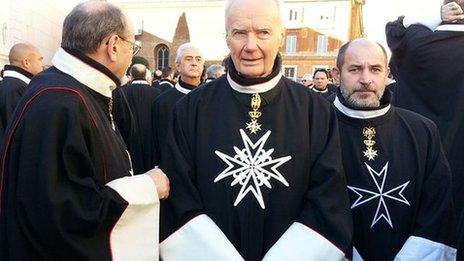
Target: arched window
[162,57]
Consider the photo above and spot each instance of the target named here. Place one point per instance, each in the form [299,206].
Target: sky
[378,12]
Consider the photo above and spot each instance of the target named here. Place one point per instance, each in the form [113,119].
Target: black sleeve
[327,195]
[123,116]
[328,230]
[401,40]
[59,203]
[436,216]
[10,101]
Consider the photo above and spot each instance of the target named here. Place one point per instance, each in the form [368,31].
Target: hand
[451,13]
[161,182]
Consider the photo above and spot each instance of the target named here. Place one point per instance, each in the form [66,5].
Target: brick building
[306,50]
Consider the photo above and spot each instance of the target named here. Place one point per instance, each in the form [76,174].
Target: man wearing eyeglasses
[67,185]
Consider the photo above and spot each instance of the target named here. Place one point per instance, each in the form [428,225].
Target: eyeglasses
[136,46]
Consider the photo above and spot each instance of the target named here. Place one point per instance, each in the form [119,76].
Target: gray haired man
[254,158]
[68,190]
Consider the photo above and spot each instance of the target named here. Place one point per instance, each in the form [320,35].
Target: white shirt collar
[358,114]
[257,88]
[139,82]
[450,27]
[17,75]
[84,73]
[316,90]
[182,89]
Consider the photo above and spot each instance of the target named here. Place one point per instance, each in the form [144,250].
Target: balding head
[254,5]
[89,23]
[254,34]
[101,31]
[362,70]
[26,56]
[138,72]
[359,42]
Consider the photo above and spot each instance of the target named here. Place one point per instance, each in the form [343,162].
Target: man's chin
[364,103]
[252,72]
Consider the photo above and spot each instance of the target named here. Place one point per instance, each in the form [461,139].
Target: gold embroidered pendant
[253,125]
[369,133]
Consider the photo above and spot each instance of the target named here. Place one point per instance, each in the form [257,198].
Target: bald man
[254,158]
[398,177]
[132,113]
[25,62]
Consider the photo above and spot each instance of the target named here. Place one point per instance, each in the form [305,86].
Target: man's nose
[251,43]
[366,77]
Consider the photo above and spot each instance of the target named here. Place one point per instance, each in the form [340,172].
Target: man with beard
[66,183]
[189,64]
[397,174]
[25,62]
[254,158]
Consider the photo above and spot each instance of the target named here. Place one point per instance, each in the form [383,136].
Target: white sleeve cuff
[137,190]
[356,255]
[430,17]
[300,242]
[418,248]
[135,234]
[199,239]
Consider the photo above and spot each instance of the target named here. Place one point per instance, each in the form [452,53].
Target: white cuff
[418,248]
[137,190]
[430,17]
[199,239]
[135,235]
[356,255]
[300,242]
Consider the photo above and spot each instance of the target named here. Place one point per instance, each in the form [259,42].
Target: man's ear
[112,48]
[336,74]
[25,63]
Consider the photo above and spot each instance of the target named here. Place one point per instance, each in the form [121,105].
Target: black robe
[293,205]
[327,93]
[132,113]
[66,181]
[165,85]
[430,82]
[162,113]
[401,194]
[11,90]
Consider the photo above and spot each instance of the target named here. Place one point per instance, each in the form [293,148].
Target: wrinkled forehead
[192,52]
[365,54]
[254,13]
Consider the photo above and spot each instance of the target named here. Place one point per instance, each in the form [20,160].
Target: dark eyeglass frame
[136,46]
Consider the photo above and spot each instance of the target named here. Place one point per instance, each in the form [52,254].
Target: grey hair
[229,3]
[183,48]
[89,23]
[214,71]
